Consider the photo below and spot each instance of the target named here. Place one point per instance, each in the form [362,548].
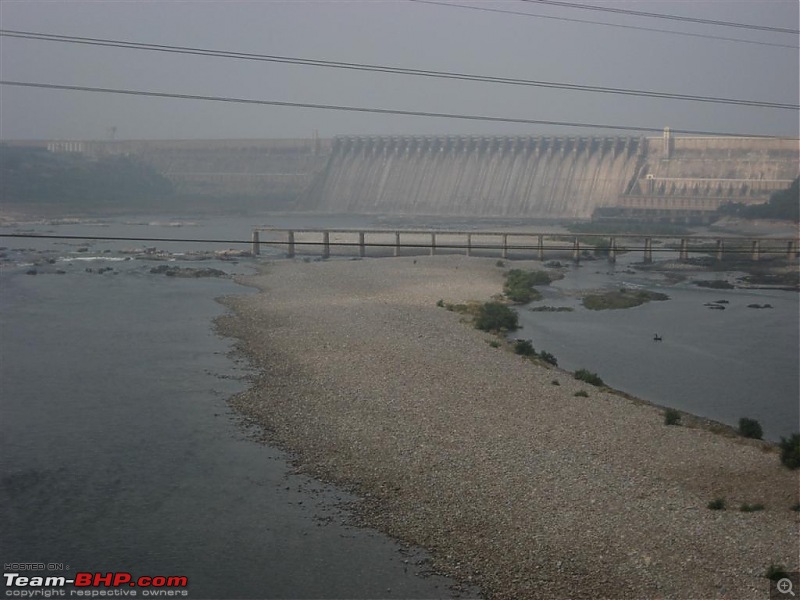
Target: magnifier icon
[785,586]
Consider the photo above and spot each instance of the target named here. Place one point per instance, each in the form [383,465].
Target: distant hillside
[35,175]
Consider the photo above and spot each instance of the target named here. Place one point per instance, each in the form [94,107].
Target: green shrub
[440,303]
[790,451]
[581,394]
[555,382]
[750,428]
[548,358]
[493,316]
[796,507]
[672,417]
[751,507]
[717,504]
[519,285]
[500,264]
[589,377]
[494,343]
[776,572]
[524,348]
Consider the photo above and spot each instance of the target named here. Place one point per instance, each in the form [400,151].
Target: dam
[478,176]
[538,177]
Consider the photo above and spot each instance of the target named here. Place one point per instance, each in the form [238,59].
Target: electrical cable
[384,111]
[639,13]
[617,25]
[391,70]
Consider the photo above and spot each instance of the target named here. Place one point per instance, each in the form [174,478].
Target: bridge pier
[756,250]
[326,244]
[257,249]
[362,250]
[469,244]
[790,250]
[505,245]
[648,251]
[576,251]
[612,250]
[684,251]
[540,247]
[290,245]
[433,244]
[397,243]
[720,249]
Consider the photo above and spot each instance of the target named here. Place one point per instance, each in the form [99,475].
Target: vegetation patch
[783,204]
[790,451]
[524,348]
[672,417]
[751,507]
[581,394]
[716,284]
[776,572]
[548,358]
[716,504]
[750,428]
[519,285]
[494,316]
[622,298]
[589,377]
[555,382]
[551,309]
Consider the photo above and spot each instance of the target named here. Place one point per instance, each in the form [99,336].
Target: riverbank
[512,482]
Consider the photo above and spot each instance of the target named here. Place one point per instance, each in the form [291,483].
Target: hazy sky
[398,33]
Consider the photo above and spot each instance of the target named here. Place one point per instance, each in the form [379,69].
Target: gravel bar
[513,483]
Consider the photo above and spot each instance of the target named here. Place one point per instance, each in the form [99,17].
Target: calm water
[721,364]
[119,452]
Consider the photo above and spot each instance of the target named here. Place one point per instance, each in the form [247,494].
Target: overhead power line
[617,25]
[363,109]
[639,13]
[392,70]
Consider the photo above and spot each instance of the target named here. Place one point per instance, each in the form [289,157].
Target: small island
[621,298]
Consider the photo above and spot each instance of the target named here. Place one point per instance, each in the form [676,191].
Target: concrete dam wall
[663,177]
[547,177]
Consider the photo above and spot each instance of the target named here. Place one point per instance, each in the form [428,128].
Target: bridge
[395,242]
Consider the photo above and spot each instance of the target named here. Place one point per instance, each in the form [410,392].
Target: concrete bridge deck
[393,242]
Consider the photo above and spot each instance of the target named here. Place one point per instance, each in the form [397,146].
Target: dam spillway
[547,177]
[539,177]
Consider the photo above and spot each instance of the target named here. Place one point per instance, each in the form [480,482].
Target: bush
[751,507]
[440,303]
[796,507]
[589,377]
[581,394]
[555,382]
[790,451]
[750,428]
[519,285]
[548,358]
[672,417]
[776,572]
[494,343]
[524,348]
[493,316]
[717,504]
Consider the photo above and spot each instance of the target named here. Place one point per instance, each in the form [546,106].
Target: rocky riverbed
[513,482]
